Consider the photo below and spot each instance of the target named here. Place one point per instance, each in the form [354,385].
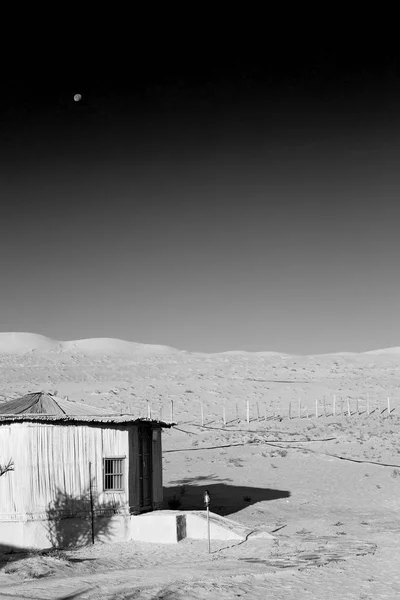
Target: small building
[79,474]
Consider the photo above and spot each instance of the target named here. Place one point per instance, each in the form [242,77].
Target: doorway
[145,468]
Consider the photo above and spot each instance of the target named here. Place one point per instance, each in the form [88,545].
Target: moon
[77,97]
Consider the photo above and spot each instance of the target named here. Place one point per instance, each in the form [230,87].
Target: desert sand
[327,488]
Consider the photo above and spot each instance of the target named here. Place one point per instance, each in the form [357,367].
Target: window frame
[120,474]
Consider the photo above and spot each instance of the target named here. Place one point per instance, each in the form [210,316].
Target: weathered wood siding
[51,468]
[157,467]
[134,497]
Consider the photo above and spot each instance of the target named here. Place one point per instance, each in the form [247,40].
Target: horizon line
[231,351]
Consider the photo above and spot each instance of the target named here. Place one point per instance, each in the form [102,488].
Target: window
[113,469]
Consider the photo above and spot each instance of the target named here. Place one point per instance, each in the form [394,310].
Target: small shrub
[282,453]
[174,503]
[55,553]
[236,462]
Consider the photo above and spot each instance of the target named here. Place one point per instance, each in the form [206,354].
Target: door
[145,467]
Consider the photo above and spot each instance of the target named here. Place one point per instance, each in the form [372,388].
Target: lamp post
[207,502]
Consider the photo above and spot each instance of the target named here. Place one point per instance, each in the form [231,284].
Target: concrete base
[170,526]
[160,527]
[220,527]
[41,534]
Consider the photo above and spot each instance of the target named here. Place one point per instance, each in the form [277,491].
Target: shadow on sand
[226,499]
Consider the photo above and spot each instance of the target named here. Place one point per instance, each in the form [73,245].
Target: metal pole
[91,500]
[208,529]
[207,501]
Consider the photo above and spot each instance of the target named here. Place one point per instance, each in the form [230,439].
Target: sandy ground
[328,488]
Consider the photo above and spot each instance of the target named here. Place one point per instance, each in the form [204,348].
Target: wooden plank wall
[133,471]
[51,468]
[157,468]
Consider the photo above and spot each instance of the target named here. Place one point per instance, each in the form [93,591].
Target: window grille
[113,469]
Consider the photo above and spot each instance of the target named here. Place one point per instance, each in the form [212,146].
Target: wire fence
[203,413]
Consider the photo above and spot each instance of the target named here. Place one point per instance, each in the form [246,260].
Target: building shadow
[79,520]
[10,553]
[226,499]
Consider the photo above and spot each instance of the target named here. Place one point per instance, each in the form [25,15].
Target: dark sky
[208,199]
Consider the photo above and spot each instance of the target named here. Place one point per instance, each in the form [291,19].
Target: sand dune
[295,468]
[22,343]
[394,350]
[116,346]
[266,353]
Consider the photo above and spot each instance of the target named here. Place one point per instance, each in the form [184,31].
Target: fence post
[202,413]
[223,415]
[348,407]
[299,408]
[247,412]
[265,411]
[388,406]
[367,403]
[316,408]
[325,406]
[237,412]
[258,412]
[290,410]
[334,405]
[172,411]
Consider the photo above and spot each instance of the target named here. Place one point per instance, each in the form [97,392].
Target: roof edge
[84,419]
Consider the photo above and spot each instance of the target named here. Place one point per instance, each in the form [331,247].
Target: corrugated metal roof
[42,403]
[77,419]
